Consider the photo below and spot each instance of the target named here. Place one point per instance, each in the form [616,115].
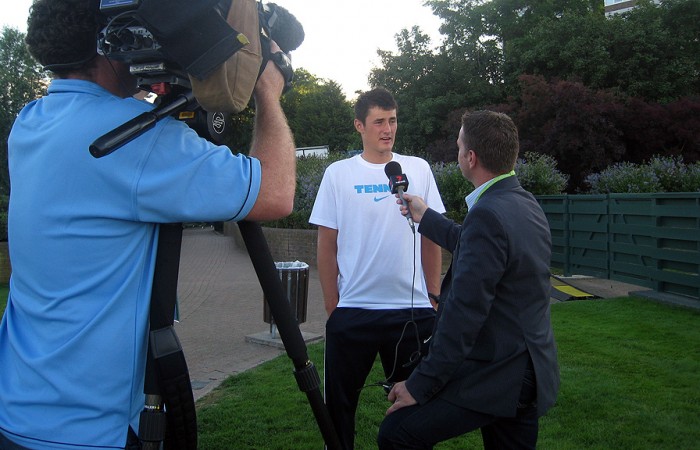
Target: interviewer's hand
[400,397]
[415,203]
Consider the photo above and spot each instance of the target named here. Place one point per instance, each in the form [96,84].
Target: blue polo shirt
[82,235]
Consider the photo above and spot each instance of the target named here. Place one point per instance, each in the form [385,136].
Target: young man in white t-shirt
[376,273]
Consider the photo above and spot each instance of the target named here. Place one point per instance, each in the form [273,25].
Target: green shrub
[691,178]
[674,175]
[668,171]
[538,174]
[453,189]
[310,171]
[660,174]
[624,177]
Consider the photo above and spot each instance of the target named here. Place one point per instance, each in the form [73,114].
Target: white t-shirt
[379,257]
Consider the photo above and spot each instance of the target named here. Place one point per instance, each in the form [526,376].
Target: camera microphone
[284,28]
[398,183]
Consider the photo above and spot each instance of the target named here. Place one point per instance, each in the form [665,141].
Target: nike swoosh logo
[379,199]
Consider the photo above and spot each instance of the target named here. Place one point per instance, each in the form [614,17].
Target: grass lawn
[629,369]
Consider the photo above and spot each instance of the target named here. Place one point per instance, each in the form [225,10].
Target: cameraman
[83,232]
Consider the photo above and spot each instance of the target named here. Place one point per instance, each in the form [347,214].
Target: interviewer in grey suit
[492,362]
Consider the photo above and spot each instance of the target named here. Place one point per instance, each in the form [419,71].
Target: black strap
[167,378]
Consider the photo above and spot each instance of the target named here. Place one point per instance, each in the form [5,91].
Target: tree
[481,35]
[573,124]
[650,51]
[587,130]
[666,129]
[654,58]
[318,113]
[21,80]
[424,85]
[467,71]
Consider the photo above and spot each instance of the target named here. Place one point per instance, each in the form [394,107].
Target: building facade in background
[620,6]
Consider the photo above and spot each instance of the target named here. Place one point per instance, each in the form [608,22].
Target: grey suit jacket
[494,308]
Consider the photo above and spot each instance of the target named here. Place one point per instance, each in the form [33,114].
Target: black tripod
[159,393]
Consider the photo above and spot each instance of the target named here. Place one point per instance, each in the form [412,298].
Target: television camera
[200,59]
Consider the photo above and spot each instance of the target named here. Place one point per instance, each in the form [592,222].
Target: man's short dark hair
[493,137]
[377,97]
[62,34]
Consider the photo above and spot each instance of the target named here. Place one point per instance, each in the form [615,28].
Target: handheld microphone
[398,183]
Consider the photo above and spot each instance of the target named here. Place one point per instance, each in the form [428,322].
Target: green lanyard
[495,180]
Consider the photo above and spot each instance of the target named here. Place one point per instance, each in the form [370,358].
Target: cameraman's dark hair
[377,97]
[62,34]
[493,137]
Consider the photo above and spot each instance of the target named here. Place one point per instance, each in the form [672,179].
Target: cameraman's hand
[271,81]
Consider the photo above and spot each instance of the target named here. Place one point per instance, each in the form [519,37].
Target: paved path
[221,302]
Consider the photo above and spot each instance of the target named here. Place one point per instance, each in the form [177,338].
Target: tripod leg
[305,372]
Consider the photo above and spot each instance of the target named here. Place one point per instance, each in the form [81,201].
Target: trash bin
[295,283]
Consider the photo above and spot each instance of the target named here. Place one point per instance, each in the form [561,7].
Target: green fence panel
[587,219]
[658,236]
[651,240]
[632,241]
[678,234]
[555,208]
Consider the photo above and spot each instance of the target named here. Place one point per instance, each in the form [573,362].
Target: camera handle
[111,141]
